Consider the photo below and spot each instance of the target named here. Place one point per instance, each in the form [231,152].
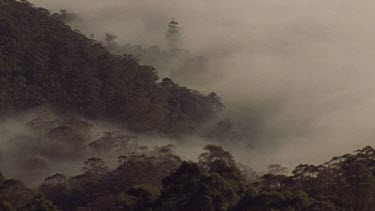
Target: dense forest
[74,81]
[177,63]
[119,173]
[43,61]
[160,180]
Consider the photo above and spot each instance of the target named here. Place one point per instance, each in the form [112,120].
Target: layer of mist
[39,143]
[296,76]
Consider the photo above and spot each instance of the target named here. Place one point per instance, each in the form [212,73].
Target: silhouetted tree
[216,160]
[95,166]
[173,34]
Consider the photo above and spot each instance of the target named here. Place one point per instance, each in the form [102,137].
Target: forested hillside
[43,61]
[46,64]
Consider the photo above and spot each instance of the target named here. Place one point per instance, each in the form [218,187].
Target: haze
[301,71]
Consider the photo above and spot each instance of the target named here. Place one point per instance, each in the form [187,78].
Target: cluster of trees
[173,62]
[157,179]
[216,182]
[49,142]
[179,64]
[43,61]
[133,185]
[14,195]
[65,16]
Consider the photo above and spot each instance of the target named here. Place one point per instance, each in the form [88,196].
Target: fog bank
[300,72]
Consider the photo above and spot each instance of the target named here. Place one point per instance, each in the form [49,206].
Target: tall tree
[173,34]
[216,160]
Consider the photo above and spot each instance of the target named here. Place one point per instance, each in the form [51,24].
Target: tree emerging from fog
[173,34]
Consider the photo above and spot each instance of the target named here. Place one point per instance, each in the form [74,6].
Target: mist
[299,72]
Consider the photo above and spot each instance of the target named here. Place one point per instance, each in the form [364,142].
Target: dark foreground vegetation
[163,182]
[14,195]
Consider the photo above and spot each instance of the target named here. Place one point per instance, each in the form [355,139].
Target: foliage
[14,195]
[179,64]
[344,183]
[189,188]
[216,160]
[173,34]
[43,61]
[133,185]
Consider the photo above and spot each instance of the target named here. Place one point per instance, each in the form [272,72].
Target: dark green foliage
[145,196]
[189,188]
[139,198]
[14,195]
[344,183]
[39,203]
[267,201]
[123,187]
[43,61]
[216,160]
[179,64]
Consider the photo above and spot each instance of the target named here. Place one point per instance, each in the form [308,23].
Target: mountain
[44,62]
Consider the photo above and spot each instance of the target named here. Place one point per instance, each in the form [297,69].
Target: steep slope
[44,61]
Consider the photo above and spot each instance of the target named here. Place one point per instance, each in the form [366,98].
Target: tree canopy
[43,61]
[344,183]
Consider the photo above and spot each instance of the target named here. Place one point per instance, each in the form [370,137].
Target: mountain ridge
[44,61]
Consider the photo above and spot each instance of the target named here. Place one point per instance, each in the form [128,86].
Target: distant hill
[44,61]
